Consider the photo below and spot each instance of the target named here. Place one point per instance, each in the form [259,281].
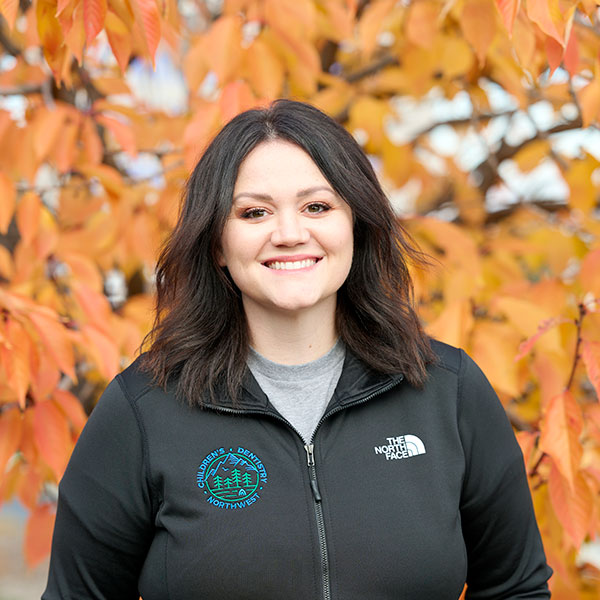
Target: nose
[289,230]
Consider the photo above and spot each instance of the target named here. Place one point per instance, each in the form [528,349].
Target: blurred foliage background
[480,117]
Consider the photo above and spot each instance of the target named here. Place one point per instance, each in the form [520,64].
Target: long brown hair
[200,335]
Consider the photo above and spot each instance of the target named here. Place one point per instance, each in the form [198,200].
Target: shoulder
[135,381]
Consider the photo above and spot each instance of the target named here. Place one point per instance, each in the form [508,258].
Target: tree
[218,482]
[235,477]
[480,117]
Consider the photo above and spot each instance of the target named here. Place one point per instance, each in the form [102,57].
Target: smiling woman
[291,432]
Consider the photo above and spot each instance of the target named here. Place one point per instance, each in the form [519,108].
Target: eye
[253,213]
[315,208]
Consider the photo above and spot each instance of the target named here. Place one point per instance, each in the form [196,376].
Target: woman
[292,432]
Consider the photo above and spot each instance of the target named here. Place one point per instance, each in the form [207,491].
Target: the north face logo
[403,446]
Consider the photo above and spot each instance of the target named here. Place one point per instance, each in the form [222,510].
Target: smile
[291,265]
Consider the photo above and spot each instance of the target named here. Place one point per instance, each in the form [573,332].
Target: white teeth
[292,265]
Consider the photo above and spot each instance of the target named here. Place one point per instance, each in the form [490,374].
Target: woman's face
[288,240]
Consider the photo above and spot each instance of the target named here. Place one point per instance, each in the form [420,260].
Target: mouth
[291,265]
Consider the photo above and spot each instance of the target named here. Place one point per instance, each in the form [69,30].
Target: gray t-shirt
[299,392]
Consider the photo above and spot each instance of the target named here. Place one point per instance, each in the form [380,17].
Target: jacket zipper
[310,459]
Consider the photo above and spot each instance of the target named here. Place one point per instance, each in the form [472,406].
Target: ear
[221,258]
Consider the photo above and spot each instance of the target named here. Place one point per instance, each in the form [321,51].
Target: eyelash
[250,213]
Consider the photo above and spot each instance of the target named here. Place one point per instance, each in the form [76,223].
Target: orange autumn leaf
[371,22]
[9,10]
[56,340]
[477,21]
[122,132]
[562,425]
[572,504]
[119,39]
[52,436]
[148,17]
[103,349]
[94,13]
[38,534]
[590,352]
[10,435]
[28,214]
[422,23]
[508,9]
[72,408]
[7,204]
[19,371]
[547,16]
[526,346]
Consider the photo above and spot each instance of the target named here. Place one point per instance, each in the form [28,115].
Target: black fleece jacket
[404,493]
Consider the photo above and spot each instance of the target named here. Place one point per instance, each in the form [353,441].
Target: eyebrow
[300,194]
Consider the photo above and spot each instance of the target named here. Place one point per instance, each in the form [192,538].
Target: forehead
[278,164]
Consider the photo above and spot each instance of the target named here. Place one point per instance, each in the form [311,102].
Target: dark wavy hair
[200,335]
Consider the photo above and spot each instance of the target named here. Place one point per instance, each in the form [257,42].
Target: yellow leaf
[560,431]
[526,317]
[589,274]
[579,179]
[532,154]
[524,40]
[367,115]
[589,100]
[454,324]
[493,347]
[7,201]
[478,22]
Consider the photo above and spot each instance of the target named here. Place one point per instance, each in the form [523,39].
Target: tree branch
[387,60]
[576,357]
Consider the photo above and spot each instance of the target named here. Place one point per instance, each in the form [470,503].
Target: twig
[578,323]
[385,61]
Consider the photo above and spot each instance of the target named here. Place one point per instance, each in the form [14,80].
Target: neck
[292,338]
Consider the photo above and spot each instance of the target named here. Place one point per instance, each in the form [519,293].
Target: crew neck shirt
[300,393]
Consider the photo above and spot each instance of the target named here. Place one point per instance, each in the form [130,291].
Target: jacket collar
[357,382]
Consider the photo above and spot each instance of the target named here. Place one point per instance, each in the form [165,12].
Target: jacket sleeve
[104,519]
[506,559]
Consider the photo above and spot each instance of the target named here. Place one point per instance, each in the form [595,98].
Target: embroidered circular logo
[231,478]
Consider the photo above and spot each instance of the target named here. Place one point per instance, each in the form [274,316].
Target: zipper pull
[310,457]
